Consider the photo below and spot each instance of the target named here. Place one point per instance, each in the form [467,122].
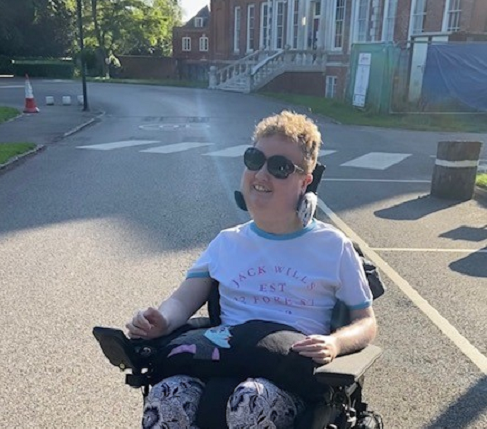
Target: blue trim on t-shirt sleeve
[200,275]
[362,306]
[290,236]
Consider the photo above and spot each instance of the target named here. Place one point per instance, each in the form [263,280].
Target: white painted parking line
[467,348]
[231,152]
[119,145]
[326,152]
[178,147]
[377,160]
[339,179]
[405,249]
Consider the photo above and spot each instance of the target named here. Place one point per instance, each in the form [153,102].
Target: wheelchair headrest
[312,187]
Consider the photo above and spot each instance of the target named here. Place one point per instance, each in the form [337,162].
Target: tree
[141,27]
[36,27]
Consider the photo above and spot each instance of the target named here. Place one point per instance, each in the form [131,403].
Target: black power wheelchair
[342,407]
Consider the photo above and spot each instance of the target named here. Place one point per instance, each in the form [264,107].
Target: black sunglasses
[277,165]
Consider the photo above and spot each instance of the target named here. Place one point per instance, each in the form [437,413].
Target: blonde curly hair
[295,127]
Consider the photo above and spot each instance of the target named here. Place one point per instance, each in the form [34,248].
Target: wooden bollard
[455,170]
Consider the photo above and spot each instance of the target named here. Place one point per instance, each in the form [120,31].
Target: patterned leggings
[255,403]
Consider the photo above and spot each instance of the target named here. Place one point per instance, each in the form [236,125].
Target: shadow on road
[416,209]
[474,265]
[467,233]
[466,410]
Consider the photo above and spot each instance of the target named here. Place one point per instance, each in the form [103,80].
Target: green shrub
[5,65]
[44,68]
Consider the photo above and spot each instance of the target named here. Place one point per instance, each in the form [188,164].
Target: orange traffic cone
[30,103]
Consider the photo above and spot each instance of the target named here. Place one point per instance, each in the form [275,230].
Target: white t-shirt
[294,279]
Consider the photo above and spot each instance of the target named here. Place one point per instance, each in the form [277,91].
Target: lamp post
[82,48]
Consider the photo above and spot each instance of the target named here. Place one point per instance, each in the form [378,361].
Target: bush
[5,65]
[44,68]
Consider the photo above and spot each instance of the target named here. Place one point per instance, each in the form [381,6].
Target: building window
[363,20]
[198,22]
[186,44]
[331,86]
[339,24]
[203,44]
[264,25]
[250,27]
[295,24]
[280,25]
[419,13]
[236,28]
[390,11]
[451,20]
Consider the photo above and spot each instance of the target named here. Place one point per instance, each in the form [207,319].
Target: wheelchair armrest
[347,369]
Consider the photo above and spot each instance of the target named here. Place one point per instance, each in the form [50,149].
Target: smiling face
[270,199]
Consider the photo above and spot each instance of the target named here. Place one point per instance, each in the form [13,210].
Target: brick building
[308,42]
[192,40]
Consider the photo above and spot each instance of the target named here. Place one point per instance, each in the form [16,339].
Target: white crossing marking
[377,160]
[326,152]
[178,147]
[234,151]
[119,145]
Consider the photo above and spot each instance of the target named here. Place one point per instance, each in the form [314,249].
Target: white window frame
[250,28]
[204,42]
[280,25]
[334,47]
[453,12]
[264,25]
[198,22]
[186,44]
[389,22]
[295,24]
[417,16]
[330,86]
[237,20]
[366,21]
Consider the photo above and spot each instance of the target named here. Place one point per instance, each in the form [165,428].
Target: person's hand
[147,324]
[321,348]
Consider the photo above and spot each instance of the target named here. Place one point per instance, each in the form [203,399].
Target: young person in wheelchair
[282,271]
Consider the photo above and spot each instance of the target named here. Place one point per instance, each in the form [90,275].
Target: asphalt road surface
[108,220]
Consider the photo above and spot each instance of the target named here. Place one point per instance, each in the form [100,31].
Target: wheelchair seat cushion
[252,349]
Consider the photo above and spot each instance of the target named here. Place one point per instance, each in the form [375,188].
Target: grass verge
[482,181]
[7,113]
[350,115]
[11,150]
[157,82]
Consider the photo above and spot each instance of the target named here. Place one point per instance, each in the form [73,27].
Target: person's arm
[355,336]
[359,334]
[173,312]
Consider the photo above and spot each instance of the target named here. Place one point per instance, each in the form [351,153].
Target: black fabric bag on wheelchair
[333,392]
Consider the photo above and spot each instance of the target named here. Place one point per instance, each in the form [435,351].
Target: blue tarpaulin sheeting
[456,73]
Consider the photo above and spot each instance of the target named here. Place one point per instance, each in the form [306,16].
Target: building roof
[203,13]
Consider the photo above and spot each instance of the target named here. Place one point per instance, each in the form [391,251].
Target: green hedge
[5,65]
[52,69]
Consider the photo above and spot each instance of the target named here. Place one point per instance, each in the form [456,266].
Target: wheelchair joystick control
[146,351]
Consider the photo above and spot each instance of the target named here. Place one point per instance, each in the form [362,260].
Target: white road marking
[377,160]
[441,323]
[456,164]
[11,86]
[326,152]
[234,151]
[178,147]
[406,249]
[339,179]
[119,145]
